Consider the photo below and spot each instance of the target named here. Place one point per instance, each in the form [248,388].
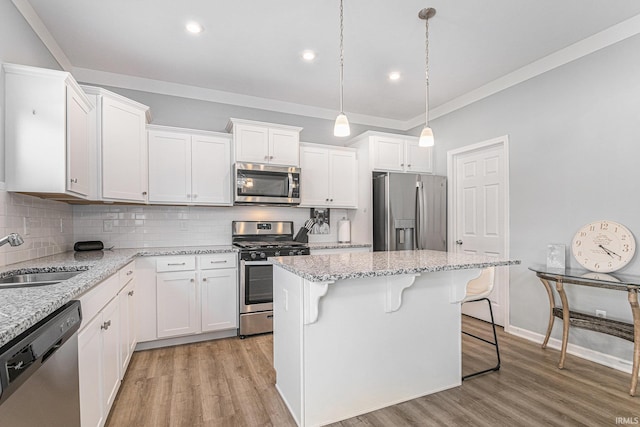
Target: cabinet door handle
[177,263]
[130,293]
[144,193]
[74,180]
[219,262]
[409,165]
[106,325]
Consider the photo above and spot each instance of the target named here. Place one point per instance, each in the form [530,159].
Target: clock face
[603,246]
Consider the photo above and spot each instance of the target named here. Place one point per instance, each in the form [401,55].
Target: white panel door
[314,178]
[252,143]
[77,144]
[169,167]
[177,309]
[124,154]
[388,153]
[418,159]
[480,209]
[284,147]
[90,373]
[343,174]
[111,352]
[219,290]
[211,170]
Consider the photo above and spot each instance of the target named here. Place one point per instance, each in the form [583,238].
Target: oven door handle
[256,262]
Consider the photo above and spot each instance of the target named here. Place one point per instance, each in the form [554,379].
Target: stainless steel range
[259,240]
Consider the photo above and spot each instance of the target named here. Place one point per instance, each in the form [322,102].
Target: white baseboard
[576,350]
[187,339]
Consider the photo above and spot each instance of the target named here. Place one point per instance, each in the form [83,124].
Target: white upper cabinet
[258,142]
[47,133]
[189,167]
[121,141]
[328,176]
[398,153]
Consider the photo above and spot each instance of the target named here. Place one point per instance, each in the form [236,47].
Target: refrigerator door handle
[419,213]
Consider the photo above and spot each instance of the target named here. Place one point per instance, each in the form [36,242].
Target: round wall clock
[603,246]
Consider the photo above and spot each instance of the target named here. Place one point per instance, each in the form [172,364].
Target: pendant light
[426,137]
[341,127]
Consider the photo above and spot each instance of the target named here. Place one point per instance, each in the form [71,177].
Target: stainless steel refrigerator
[409,212]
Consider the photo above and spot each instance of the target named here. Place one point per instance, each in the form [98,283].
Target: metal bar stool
[478,290]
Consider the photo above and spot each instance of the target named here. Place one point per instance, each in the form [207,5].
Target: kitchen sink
[36,279]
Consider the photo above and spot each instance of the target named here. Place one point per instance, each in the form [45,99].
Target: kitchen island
[356,332]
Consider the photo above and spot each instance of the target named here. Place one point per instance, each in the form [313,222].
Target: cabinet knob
[106,325]
[331,200]
[326,200]
[195,196]
[144,193]
[458,242]
[192,280]
[266,157]
[204,279]
[188,195]
[130,293]
[409,165]
[129,273]
[270,157]
[74,180]
[401,164]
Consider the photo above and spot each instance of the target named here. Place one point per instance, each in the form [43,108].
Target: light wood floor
[231,383]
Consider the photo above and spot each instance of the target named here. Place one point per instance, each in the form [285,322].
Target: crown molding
[32,18]
[96,77]
[584,47]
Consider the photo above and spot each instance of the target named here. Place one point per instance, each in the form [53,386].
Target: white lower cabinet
[128,329]
[177,295]
[107,312]
[193,295]
[218,294]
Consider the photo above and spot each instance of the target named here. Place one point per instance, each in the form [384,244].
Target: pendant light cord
[426,73]
[341,58]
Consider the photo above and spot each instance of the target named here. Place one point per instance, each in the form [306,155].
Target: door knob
[458,242]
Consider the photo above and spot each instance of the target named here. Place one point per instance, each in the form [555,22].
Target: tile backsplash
[45,225]
[49,227]
[158,226]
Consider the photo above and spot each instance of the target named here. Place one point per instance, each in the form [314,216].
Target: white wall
[574,135]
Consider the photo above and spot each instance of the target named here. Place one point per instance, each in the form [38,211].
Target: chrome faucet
[14,239]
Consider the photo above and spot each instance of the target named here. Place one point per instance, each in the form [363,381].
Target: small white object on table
[356,332]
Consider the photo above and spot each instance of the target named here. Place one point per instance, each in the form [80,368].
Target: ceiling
[253,47]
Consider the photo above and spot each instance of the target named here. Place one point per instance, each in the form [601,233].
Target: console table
[618,282]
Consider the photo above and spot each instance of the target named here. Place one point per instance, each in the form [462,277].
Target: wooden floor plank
[231,382]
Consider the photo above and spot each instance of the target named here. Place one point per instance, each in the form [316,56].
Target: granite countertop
[21,308]
[336,245]
[322,268]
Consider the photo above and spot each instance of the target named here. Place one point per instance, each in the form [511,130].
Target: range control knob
[292,252]
[263,255]
[277,253]
[253,255]
[300,252]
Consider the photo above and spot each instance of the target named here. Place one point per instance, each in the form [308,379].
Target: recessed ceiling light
[308,55]
[394,75]
[194,27]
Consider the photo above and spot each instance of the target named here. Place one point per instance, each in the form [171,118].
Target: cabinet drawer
[213,261]
[181,263]
[94,300]
[127,273]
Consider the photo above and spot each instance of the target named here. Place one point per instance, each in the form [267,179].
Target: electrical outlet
[61,226]
[107,225]
[601,313]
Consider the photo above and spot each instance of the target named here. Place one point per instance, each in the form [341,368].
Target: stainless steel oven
[259,240]
[266,185]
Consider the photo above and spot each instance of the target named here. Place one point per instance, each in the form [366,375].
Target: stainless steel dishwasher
[39,373]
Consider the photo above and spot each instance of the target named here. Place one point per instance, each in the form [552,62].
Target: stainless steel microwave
[258,184]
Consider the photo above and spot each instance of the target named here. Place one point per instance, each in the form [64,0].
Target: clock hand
[609,252]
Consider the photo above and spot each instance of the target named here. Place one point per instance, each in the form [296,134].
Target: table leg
[565,322]
[635,310]
[552,305]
